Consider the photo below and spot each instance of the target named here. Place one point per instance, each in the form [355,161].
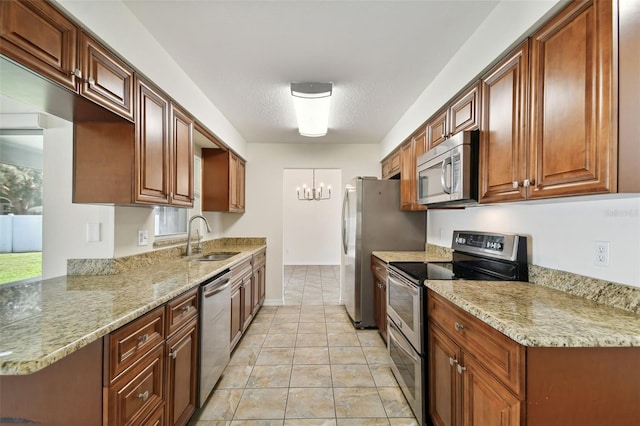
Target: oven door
[434,179]
[408,367]
[404,307]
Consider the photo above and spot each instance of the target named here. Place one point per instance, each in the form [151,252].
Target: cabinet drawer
[134,340]
[239,271]
[181,310]
[137,393]
[379,268]
[500,355]
[259,259]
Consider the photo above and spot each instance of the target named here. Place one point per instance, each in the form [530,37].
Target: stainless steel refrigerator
[372,221]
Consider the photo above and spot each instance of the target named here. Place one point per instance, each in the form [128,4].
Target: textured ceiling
[380,55]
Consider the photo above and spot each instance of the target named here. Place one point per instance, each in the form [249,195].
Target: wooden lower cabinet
[248,289]
[478,376]
[182,374]
[379,269]
[236,315]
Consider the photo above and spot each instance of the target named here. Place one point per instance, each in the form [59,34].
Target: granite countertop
[410,256]
[45,320]
[538,316]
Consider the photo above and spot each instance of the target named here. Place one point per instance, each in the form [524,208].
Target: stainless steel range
[476,256]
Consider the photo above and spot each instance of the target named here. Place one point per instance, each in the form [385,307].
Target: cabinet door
[241,185]
[407,172]
[573,125]
[152,148]
[391,165]
[106,80]
[486,401]
[444,380]
[181,158]
[247,301]
[182,374]
[236,317]
[463,113]
[503,157]
[233,181]
[437,131]
[39,37]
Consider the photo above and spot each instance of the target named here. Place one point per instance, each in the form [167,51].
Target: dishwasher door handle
[217,289]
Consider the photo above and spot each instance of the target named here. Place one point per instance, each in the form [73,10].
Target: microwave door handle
[443,181]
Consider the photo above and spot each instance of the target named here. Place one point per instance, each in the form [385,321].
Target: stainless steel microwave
[448,173]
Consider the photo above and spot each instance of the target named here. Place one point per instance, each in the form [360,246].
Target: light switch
[93,232]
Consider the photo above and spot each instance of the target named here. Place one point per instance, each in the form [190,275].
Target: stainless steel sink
[221,255]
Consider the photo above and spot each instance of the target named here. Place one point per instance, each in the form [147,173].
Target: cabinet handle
[186,309]
[458,326]
[516,184]
[527,183]
[77,73]
[461,369]
[91,81]
[144,396]
[452,361]
[143,339]
[173,354]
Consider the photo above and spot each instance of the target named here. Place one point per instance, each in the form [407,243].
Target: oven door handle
[404,346]
[443,180]
[394,280]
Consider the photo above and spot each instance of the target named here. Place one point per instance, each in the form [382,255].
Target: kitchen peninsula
[54,329]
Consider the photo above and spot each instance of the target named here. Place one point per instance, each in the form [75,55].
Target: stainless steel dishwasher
[215,329]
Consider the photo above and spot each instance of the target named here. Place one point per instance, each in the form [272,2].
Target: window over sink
[170,221]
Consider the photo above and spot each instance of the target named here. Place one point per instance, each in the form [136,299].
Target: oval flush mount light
[311,102]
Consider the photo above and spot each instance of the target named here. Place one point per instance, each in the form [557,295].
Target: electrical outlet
[143,237]
[602,253]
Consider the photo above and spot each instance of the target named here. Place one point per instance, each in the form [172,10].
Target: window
[21,178]
[170,220]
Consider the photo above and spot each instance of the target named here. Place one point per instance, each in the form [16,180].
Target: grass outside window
[20,266]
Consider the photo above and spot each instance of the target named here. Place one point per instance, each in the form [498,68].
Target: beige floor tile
[409,421]
[251,341]
[376,355]
[270,376]
[221,405]
[288,310]
[394,402]
[364,422]
[279,341]
[316,339]
[210,423]
[310,403]
[311,376]
[234,377]
[258,328]
[258,404]
[370,338]
[346,355]
[351,376]
[286,318]
[313,317]
[311,355]
[358,402]
[257,423]
[275,356]
[383,376]
[284,328]
[244,356]
[309,422]
[343,339]
[312,327]
[339,327]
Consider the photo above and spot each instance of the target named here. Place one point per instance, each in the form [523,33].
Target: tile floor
[304,364]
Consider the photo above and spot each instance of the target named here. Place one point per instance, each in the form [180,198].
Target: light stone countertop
[45,320]
[538,315]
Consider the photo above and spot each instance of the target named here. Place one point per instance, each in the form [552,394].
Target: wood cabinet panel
[38,36]
[573,145]
[106,79]
[379,269]
[503,158]
[391,165]
[152,149]
[181,310]
[236,316]
[463,113]
[437,129]
[131,342]
[444,381]
[136,393]
[223,181]
[409,153]
[181,158]
[182,374]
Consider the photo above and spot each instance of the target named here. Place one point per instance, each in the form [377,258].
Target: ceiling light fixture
[311,101]
[313,193]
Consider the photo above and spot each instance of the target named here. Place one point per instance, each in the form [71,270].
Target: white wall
[311,229]
[64,226]
[508,23]
[264,202]
[562,232]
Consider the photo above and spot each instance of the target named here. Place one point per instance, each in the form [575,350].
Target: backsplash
[120,265]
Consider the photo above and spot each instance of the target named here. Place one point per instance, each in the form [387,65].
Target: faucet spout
[196,216]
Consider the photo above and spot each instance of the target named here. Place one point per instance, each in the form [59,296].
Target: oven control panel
[500,246]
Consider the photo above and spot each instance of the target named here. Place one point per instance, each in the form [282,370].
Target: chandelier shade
[312,102]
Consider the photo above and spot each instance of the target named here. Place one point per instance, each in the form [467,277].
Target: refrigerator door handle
[345,218]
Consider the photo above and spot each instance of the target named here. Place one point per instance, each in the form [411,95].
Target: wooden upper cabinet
[106,79]
[409,152]
[152,148]
[223,181]
[460,114]
[503,135]
[38,36]
[391,165]
[573,97]
[181,190]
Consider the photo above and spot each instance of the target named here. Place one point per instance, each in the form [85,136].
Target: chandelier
[314,193]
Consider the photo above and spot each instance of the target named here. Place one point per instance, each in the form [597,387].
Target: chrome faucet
[195,216]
